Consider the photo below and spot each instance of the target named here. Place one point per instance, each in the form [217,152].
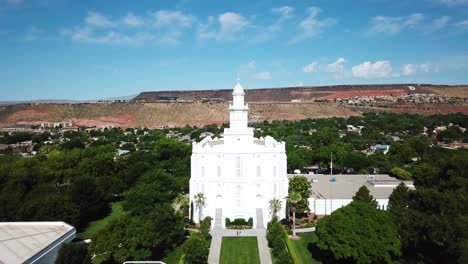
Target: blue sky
[62,49]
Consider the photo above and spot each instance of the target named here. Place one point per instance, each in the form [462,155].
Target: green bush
[283,258]
[277,241]
[239,222]
[205,227]
[196,249]
[401,173]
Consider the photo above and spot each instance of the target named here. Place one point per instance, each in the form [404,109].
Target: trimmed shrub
[239,222]
[250,222]
[277,241]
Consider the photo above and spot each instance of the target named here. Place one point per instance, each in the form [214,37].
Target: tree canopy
[359,233]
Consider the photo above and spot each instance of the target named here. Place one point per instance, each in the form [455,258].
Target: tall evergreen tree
[363,195]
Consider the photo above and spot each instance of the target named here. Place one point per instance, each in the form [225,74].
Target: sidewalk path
[305,230]
[218,234]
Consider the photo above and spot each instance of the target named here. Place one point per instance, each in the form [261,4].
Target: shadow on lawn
[323,256]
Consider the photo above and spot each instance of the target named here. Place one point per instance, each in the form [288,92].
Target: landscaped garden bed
[239,223]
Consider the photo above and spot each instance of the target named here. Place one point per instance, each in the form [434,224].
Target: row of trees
[422,225]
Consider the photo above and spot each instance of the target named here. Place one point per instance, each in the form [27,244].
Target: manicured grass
[96,226]
[239,250]
[174,256]
[302,246]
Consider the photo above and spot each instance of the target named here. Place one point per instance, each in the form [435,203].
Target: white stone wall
[327,206]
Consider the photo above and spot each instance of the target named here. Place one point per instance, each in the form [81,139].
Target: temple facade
[238,174]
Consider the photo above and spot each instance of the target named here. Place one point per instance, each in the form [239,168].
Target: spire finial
[238,78]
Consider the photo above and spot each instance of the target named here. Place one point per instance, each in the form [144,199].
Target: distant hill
[153,109]
[67,101]
[304,93]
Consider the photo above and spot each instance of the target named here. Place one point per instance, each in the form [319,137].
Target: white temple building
[238,174]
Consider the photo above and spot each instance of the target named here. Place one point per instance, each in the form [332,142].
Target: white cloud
[409,69]
[166,27]
[231,23]
[230,26]
[88,35]
[132,20]
[311,26]
[164,18]
[263,75]
[283,11]
[383,24]
[379,69]
[99,20]
[312,67]
[438,24]
[268,32]
[251,65]
[336,68]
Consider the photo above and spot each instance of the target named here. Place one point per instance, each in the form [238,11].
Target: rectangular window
[274,171]
[274,190]
[238,166]
[219,171]
[203,188]
[203,171]
[259,171]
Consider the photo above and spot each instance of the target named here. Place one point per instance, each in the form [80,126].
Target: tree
[196,249]
[301,185]
[182,201]
[399,199]
[363,195]
[92,203]
[294,198]
[200,203]
[140,237]
[156,186]
[275,206]
[73,253]
[366,235]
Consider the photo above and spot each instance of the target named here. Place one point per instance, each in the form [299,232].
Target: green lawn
[302,247]
[96,226]
[174,256]
[239,250]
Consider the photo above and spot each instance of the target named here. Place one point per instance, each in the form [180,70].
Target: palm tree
[182,201]
[294,198]
[200,203]
[275,206]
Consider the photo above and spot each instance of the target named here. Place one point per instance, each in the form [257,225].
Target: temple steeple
[238,110]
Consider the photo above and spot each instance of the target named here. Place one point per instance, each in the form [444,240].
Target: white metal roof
[345,186]
[21,241]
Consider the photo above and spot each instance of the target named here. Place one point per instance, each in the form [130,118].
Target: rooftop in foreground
[345,186]
[21,242]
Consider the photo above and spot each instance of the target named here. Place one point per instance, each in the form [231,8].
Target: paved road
[218,234]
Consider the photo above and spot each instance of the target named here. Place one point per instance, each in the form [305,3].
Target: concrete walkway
[218,234]
[305,230]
